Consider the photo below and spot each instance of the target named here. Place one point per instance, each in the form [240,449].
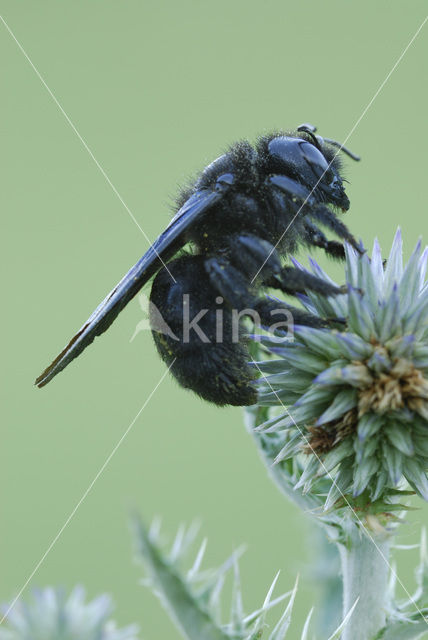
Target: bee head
[306,162]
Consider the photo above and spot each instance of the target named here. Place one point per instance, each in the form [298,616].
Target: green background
[157,90]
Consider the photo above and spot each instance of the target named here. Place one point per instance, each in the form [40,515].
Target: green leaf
[341,485]
[381,481]
[336,455]
[211,591]
[393,461]
[344,401]
[280,630]
[394,264]
[416,476]
[305,631]
[367,280]
[309,472]
[330,376]
[316,395]
[414,321]
[301,358]
[355,375]
[194,621]
[366,448]
[409,284]
[353,346]
[270,366]
[363,474]
[388,317]
[291,448]
[259,615]
[421,444]
[368,425]
[351,268]
[320,340]
[237,607]
[268,397]
[420,351]
[274,424]
[307,411]
[294,380]
[400,437]
[360,315]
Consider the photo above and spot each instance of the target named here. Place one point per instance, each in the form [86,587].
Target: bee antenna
[310,130]
[343,148]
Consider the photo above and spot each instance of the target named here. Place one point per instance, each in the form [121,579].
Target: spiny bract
[358,396]
[194,597]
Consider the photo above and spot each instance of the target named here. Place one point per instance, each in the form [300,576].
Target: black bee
[248,209]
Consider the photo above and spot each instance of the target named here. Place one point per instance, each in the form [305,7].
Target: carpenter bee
[251,207]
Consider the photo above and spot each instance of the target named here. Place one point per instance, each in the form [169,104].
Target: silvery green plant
[193,596]
[49,614]
[342,426]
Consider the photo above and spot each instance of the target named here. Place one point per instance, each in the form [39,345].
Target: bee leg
[231,283]
[273,311]
[314,237]
[291,280]
[233,286]
[194,334]
[326,217]
[252,255]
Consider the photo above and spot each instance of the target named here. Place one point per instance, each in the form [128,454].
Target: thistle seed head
[359,395]
[49,614]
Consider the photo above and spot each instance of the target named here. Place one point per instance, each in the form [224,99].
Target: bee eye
[316,160]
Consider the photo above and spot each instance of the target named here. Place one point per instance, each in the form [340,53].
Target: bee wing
[163,248]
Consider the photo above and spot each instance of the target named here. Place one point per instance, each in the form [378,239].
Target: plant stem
[365,577]
[326,575]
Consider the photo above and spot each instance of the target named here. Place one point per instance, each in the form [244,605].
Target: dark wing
[164,247]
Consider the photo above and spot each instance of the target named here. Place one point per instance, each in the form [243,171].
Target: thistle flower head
[50,614]
[354,400]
